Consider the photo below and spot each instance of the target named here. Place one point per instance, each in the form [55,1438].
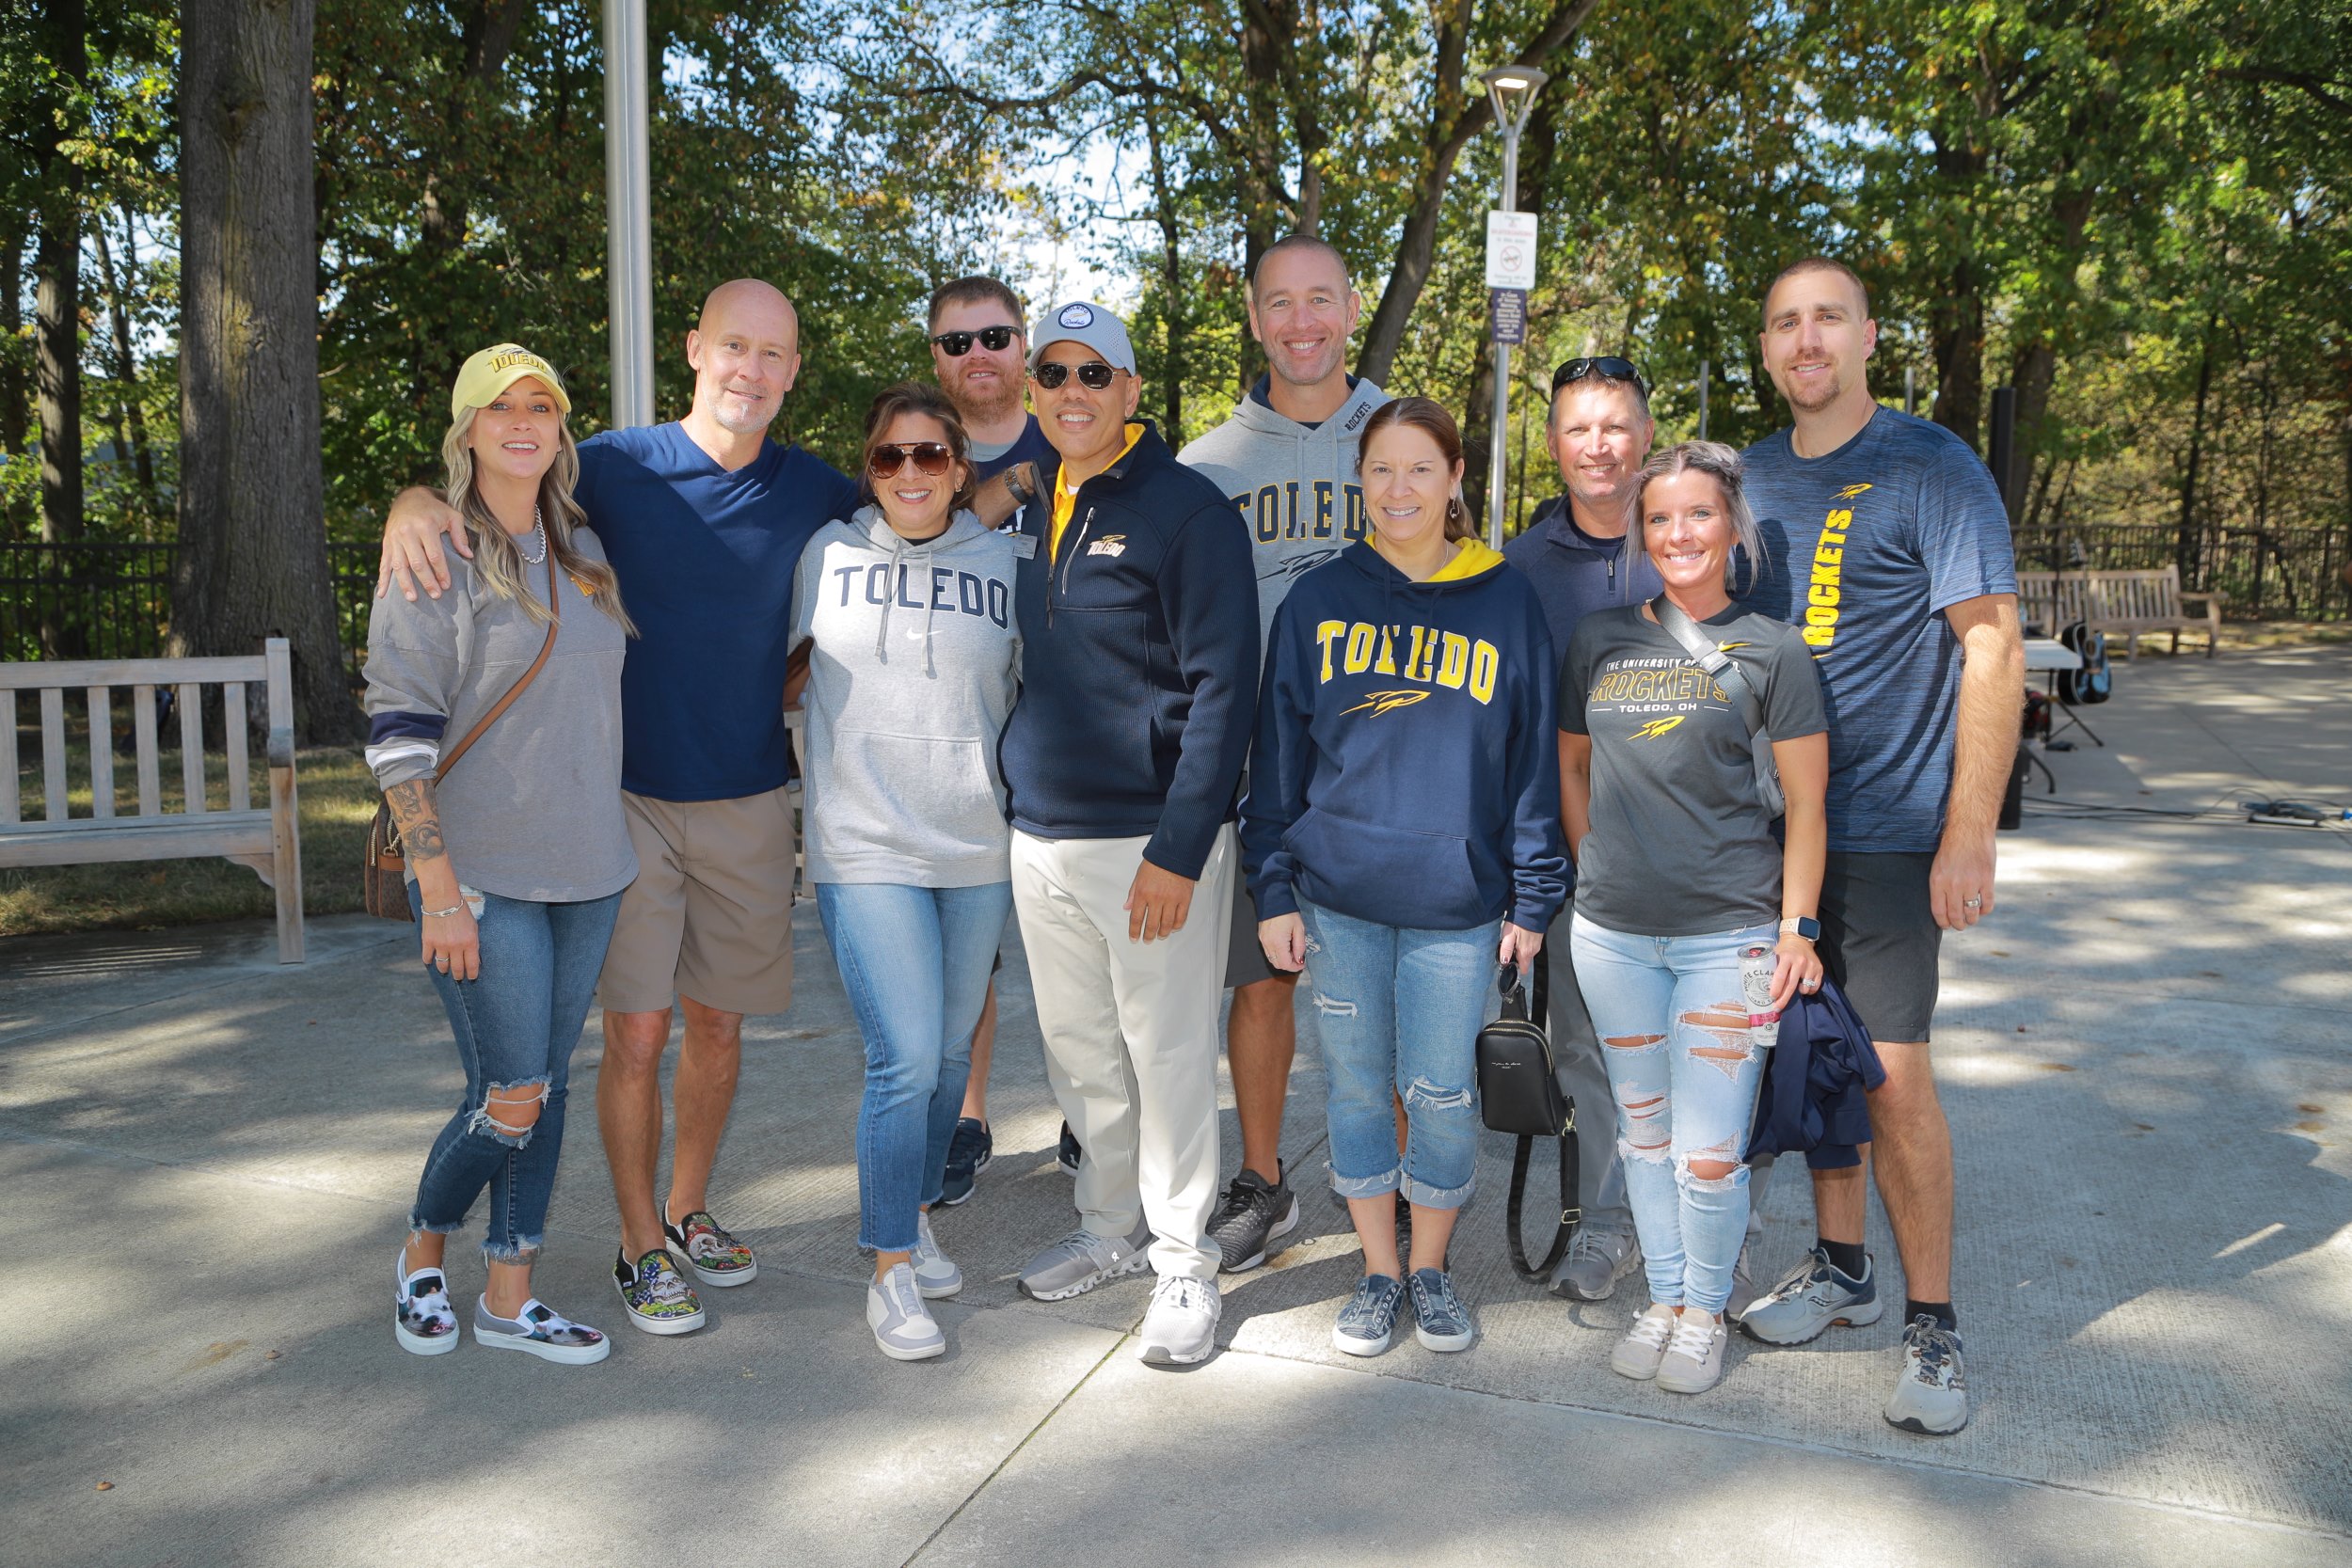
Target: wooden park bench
[264,839]
[2125,604]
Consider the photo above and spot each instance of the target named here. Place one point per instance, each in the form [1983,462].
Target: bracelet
[457,908]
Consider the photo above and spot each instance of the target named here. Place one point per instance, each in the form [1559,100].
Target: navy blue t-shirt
[1030,447]
[704,559]
[1864,548]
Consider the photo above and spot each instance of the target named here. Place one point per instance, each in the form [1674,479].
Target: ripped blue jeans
[1684,1069]
[1398,1011]
[515,1027]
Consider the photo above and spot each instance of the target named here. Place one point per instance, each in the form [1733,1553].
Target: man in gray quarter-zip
[1287,461]
[1582,553]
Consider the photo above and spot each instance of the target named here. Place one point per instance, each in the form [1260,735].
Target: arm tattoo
[419,819]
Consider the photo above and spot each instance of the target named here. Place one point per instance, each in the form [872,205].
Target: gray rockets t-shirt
[1864,548]
[1682,845]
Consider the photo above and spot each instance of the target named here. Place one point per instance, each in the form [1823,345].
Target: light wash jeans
[1398,1011]
[1684,1069]
[914,961]
[515,1026]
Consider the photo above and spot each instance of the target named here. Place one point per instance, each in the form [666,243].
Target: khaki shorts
[710,916]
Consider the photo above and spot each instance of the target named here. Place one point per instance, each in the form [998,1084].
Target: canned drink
[1756,967]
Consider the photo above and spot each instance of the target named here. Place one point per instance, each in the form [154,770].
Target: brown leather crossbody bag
[384,884]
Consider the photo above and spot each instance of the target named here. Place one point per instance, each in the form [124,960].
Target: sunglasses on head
[932,458]
[1093,374]
[955,345]
[1607,366]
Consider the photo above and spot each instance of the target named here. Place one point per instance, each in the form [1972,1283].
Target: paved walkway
[207,1157]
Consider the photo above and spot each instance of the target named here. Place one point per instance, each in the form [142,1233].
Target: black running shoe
[1252,1216]
[1069,1154]
[969,1153]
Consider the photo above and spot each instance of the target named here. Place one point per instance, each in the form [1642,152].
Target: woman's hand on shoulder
[1521,945]
[1798,967]
[1284,939]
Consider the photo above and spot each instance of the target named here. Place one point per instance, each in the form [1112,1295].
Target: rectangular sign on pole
[1507,315]
[1510,250]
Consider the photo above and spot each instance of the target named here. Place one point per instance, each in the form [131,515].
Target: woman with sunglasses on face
[1693,924]
[906,611]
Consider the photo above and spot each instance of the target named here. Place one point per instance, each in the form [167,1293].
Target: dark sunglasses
[930,458]
[955,345]
[1607,366]
[1093,374]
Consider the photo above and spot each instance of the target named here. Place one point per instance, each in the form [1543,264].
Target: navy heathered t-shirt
[705,559]
[1030,446]
[1865,547]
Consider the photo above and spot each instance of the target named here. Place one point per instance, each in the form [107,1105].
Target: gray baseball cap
[1080,321]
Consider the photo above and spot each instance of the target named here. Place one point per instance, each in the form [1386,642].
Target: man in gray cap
[1121,759]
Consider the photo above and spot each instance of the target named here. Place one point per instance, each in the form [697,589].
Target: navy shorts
[1879,940]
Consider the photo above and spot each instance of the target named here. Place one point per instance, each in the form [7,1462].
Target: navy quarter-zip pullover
[1575,574]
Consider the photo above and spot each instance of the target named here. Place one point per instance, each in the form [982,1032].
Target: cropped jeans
[914,961]
[1684,1069]
[515,1024]
[1398,1011]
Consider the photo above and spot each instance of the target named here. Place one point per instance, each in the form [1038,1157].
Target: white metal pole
[629,212]
[1498,464]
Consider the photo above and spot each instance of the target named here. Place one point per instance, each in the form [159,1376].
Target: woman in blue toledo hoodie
[1402,832]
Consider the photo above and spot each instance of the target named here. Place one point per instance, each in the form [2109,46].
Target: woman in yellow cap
[517,850]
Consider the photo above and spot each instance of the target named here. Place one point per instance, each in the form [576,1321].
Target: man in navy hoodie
[1121,762]
[1582,554]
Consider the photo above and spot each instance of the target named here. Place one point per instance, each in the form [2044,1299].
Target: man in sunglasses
[1121,762]
[1286,460]
[704,520]
[1582,554]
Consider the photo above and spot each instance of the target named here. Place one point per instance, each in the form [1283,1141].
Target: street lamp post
[628,212]
[1512,90]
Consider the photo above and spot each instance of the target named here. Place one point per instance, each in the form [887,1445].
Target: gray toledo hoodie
[916,657]
[1294,486]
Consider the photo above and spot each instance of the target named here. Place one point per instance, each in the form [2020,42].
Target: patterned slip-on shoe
[714,1255]
[540,1330]
[657,1295]
[423,1322]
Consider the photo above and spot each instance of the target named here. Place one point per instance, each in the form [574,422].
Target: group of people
[1715,726]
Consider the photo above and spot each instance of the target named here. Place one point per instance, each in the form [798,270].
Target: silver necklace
[541,530]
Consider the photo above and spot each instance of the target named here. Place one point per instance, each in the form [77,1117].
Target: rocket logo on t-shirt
[1656,727]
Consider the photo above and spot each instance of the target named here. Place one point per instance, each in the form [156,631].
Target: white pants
[1130,1031]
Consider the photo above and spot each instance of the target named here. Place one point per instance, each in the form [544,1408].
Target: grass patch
[333,787]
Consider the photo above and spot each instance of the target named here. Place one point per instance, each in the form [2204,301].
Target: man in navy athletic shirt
[703,521]
[1887,546]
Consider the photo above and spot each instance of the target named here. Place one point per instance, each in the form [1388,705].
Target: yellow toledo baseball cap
[497,368]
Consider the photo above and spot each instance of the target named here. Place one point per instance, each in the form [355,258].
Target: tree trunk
[1478,429]
[1958,331]
[58,281]
[13,429]
[2187,555]
[130,411]
[252,557]
[1172,284]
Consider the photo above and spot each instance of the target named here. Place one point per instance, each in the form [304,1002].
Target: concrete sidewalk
[207,1157]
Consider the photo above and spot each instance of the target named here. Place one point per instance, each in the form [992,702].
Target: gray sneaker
[935,1275]
[1598,1257]
[1743,1291]
[900,1320]
[1081,1261]
[1643,1347]
[1181,1328]
[1931,1393]
[1693,1362]
[1809,1299]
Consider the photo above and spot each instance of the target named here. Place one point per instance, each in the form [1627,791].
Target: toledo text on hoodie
[911,677]
[1294,486]
[1406,770]
[1140,665]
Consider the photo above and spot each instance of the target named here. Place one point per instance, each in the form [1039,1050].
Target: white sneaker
[1181,1328]
[903,1324]
[1644,1345]
[935,1275]
[1932,1392]
[1693,1362]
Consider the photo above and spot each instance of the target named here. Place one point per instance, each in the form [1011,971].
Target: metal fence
[113,600]
[2292,574]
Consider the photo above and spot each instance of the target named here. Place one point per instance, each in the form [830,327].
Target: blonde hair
[496,559]
[1723,465]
